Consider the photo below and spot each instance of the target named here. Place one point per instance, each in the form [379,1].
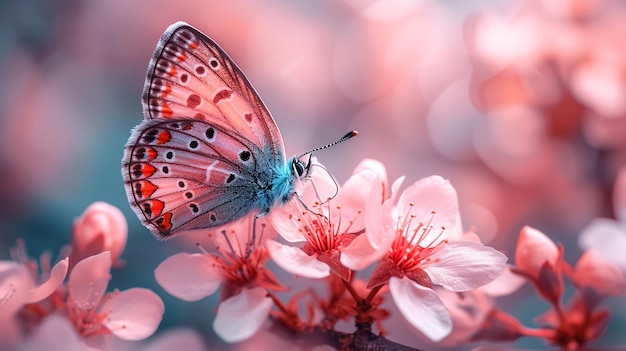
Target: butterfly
[208,151]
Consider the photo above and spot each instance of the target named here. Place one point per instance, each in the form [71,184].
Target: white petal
[55,333]
[607,237]
[284,219]
[57,275]
[239,317]
[465,265]
[15,282]
[428,195]
[421,307]
[184,339]
[295,261]
[189,277]
[134,314]
[89,279]
[360,254]
[361,187]
[507,283]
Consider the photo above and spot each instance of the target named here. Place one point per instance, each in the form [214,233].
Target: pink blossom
[471,310]
[328,225]
[102,227]
[132,314]
[415,255]
[541,261]
[608,236]
[593,272]
[239,269]
[20,284]
[534,249]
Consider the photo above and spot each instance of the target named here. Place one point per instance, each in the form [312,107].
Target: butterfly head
[301,169]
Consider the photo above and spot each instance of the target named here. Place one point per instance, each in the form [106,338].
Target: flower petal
[534,248]
[505,284]
[465,265]
[186,339]
[57,275]
[296,261]
[284,219]
[134,314]
[102,223]
[607,237]
[428,195]
[241,316]
[55,333]
[360,254]
[89,279]
[595,272]
[368,181]
[189,277]
[421,307]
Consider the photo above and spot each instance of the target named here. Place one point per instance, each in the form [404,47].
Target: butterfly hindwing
[191,76]
[187,174]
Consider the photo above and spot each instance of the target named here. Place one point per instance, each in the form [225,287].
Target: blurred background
[521,104]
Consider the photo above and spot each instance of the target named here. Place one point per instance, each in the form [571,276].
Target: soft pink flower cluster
[413,239]
[571,325]
[44,311]
[384,254]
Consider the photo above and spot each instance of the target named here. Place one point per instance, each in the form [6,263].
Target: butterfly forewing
[191,76]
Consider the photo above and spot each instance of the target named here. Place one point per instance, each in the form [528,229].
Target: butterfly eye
[299,167]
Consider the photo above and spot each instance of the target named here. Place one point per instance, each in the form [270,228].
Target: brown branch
[361,340]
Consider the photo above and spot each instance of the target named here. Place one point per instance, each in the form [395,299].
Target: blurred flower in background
[521,105]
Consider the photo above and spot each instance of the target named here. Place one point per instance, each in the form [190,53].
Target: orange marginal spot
[166,90]
[144,189]
[164,223]
[193,45]
[164,137]
[151,154]
[182,57]
[173,71]
[187,126]
[166,110]
[153,208]
[147,170]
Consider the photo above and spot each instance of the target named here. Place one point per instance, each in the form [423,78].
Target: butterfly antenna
[349,135]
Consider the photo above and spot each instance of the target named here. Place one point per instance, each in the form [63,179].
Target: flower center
[322,232]
[415,242]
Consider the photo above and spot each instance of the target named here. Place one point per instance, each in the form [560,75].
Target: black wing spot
[244,155]
[210,134]
[214,63]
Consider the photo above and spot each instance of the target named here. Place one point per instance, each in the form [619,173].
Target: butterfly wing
[191,76]
[183,174]
[208,152]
